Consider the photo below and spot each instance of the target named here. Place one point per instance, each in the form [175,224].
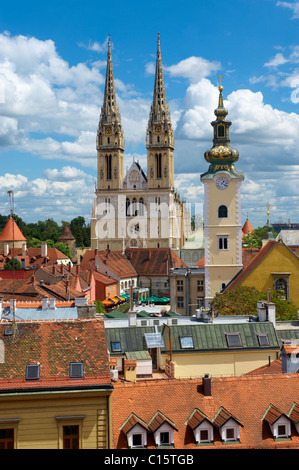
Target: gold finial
[220,88]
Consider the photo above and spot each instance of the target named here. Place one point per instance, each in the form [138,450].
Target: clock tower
[222,208]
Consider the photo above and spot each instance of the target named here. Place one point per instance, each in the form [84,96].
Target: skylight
[76,370]
[32,372]
[154,340]
[263,339]
[233,340]
[186,342]
[115,346]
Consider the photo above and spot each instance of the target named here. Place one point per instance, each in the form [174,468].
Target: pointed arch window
[222,212]
[134,206]
[128,207]
[141,206]
[159,165]
[108,166]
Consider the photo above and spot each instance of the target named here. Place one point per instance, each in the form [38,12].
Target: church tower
[159,141]
[110,140]
[222,208]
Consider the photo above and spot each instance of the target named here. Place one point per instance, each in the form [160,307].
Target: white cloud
[193,68]
[279,59]
[292,6]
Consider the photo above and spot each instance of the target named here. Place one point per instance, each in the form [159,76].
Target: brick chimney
[207,385]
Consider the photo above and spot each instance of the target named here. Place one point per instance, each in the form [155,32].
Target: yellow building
[222,208]
[274,267]
[55,385]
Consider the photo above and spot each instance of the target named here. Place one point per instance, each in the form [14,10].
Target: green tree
[254,239]
[13,264]
[243,301]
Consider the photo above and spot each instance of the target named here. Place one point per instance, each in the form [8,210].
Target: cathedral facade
[137,209]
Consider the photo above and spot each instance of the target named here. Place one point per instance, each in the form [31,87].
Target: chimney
[24,249]
[52,304]
[54,269]
[6,249]
[61,268]
[44,250]
[45,304]
[266,312]
[207,385]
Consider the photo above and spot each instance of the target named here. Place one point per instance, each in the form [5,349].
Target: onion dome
[221,156]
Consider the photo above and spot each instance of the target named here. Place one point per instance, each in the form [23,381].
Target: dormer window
[115,346]
[263,339]
[136,431]
[162,429]
[228,426]
[186,342]
[279,423]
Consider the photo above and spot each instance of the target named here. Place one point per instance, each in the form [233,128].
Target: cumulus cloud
[193,68]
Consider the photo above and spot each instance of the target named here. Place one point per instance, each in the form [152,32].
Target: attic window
[115,346]
[76,370]
[263,339]
[233,340]
[32,372]
[186,342]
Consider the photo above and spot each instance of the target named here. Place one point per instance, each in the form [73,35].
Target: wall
[38,427]
[218,364]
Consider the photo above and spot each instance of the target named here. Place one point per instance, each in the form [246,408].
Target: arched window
[220,130]
[222,212]
[108,166]
[128,207]
[141,206]
[134,206]
[281,287]
[159,165]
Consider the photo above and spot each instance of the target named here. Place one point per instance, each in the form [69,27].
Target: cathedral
[137,209]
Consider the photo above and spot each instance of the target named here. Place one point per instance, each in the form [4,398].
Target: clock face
[108,130]
[222,183]
[158,128]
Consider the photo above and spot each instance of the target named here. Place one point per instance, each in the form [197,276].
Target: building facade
[137,209]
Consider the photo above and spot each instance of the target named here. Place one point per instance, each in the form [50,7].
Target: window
[71,437]
[76,370]
[223,242]
[128,212]
[6,438]
[180,302]
[32,372]
[222,212]
[115,346]
[281,430]
[233,340]
[186,342]
[159,165]
[141,206]
[108,166]
[220,130]
[263,339]
[180,285]
[164,438]
[200,285]
[230,434]
[281,287]
[137,440]
[204,435]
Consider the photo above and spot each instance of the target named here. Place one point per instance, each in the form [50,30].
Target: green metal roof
[141,355]
[213,336]
[206,337]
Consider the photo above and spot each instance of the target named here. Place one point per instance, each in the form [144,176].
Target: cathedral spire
[159,109]
[110,112]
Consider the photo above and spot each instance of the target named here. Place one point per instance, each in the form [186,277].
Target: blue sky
[52,70]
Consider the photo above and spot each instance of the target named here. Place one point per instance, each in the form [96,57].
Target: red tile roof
[108,261]
[54,345]
[153,261]
[11,232]
[245,398]
[34,257]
